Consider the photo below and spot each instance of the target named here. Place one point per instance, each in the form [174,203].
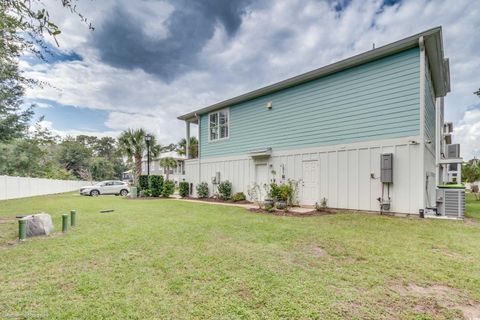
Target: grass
[167,259]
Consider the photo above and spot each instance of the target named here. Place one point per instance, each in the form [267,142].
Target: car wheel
[123,192]
[94,193]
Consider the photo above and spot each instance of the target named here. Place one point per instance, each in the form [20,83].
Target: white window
[218,125]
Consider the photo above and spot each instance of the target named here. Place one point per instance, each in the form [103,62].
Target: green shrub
[155,184]
[283,192]
[184,189]
[202,190]
[225,190]
[239,196]
[168,188]
[146,193]
[272,191]
[143,182]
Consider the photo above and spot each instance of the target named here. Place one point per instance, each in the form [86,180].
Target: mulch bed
[148,198]
[292,213]
[218,200]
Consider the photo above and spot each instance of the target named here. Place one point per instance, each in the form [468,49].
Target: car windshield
[99,183]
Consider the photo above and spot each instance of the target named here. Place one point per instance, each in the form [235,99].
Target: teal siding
[429,108]
[373,101]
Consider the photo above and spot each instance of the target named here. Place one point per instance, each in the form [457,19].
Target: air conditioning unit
[448,138]
[447,127]
[453,151]
[451,202]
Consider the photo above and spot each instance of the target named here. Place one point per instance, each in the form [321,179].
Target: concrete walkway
[241,205]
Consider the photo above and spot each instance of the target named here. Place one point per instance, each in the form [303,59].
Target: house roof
[432,38]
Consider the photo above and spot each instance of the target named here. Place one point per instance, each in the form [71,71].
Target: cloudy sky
[149,61]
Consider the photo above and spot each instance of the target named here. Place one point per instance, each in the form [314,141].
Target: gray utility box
[386,168]
[451,202]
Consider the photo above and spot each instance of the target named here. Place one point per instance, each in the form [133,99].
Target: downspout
[438,141]
[199,149]
[423,184]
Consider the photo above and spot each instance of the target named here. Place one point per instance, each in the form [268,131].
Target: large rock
[39,224]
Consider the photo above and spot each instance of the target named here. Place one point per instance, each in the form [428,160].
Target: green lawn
[170,259]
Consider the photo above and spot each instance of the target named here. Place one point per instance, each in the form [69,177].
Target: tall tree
[182,147]
[471,171]
[168,163]
[132,144]
[477,92]
[13,120]
[23,24]
[74,157]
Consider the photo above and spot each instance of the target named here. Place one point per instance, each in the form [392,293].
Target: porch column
[187,138]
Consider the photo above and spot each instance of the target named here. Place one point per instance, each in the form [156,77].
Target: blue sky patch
[65,117]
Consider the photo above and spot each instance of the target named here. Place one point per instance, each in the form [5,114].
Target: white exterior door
[261,177]
[309,182]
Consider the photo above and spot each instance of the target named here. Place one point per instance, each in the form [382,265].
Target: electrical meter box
[386,168]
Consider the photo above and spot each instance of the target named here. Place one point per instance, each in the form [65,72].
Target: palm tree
[168,163]
[182,147]
[132,145]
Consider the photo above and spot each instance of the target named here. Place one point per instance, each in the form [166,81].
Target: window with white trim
[218,125]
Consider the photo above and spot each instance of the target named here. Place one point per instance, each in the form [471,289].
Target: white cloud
[275,41]
[467,132]
[73,133]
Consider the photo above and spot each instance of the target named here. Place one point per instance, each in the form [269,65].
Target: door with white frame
[309,182]
[261,177]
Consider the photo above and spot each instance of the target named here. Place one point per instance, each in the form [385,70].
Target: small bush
[271,191]
[239,196]
[225,190]
[293,192]
[322,206]
[202,190]
[283,192]
[168,188]
[146,193]
[155,184]
[143,182]
[270,208]
[184,189]
[255,194]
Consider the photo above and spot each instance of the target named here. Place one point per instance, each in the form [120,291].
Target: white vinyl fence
[21,187]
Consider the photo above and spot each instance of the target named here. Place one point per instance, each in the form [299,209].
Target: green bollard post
[22,229]
[73,218]
[64,222]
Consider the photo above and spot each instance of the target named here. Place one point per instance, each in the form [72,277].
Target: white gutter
[423,184]
[438,137]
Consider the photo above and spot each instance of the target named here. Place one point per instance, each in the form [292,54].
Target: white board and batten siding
[22,187]
[343,173]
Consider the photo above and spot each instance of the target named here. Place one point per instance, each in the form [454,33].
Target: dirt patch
[292,213]
[244,293]
[317,252]
[449,253]
[7,219]
[432,299]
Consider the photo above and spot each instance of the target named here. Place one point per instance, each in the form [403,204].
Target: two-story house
[176,173]
[328,129]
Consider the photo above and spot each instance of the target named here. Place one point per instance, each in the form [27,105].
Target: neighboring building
[329,127]
[176,174]
[127,176]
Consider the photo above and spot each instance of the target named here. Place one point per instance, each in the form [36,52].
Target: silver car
[106,187]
